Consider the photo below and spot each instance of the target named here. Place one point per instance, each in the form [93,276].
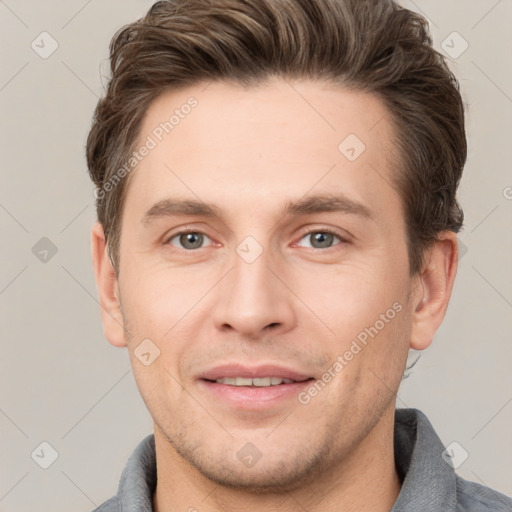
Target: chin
[275,474]
[264,480]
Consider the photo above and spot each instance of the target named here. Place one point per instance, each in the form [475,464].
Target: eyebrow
[307,206]
[327,203]
[175,207]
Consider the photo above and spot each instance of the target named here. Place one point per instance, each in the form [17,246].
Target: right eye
[188,240]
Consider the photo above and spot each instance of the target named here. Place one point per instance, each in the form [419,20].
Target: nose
[253,299]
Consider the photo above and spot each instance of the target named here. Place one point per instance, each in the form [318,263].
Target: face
[262,241]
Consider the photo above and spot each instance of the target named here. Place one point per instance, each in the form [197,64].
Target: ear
[434,289]
[108,288]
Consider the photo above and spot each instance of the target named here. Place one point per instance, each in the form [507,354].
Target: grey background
[62,383]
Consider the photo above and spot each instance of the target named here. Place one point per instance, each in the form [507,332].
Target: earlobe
[436,282]
[108,289]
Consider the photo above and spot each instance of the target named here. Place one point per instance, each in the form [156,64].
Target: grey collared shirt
[429,482]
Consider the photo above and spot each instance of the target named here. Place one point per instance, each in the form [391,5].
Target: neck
[365,480]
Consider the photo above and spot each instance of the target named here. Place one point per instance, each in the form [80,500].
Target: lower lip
[254,397]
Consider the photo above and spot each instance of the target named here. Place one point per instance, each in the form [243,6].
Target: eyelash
[304,234]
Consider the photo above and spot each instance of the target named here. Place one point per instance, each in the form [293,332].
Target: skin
[250,152]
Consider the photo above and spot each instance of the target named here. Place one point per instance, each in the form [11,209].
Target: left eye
[320,239]
[190,240]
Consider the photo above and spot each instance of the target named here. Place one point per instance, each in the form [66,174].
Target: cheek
[156,300]
[351,297]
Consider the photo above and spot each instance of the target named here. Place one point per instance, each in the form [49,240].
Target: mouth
[259,382]
[252,388]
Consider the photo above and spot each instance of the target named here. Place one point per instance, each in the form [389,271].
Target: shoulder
[111,505]
[137,482]
[474,497]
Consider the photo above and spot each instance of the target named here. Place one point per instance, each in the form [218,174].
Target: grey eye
[320,239]
[189,241]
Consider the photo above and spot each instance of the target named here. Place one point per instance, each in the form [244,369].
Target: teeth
[258,382]
[263,381]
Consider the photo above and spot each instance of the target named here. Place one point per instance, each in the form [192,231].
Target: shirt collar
[428,482]
[138,480]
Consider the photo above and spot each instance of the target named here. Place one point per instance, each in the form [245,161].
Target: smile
[258,382]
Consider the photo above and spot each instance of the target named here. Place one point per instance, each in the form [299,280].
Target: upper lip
[252,372]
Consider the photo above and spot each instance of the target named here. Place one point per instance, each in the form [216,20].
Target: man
[276,193]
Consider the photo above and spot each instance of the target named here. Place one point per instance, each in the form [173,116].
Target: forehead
[282,110]
[223,142]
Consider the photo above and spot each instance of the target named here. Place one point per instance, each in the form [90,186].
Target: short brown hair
[370,45]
